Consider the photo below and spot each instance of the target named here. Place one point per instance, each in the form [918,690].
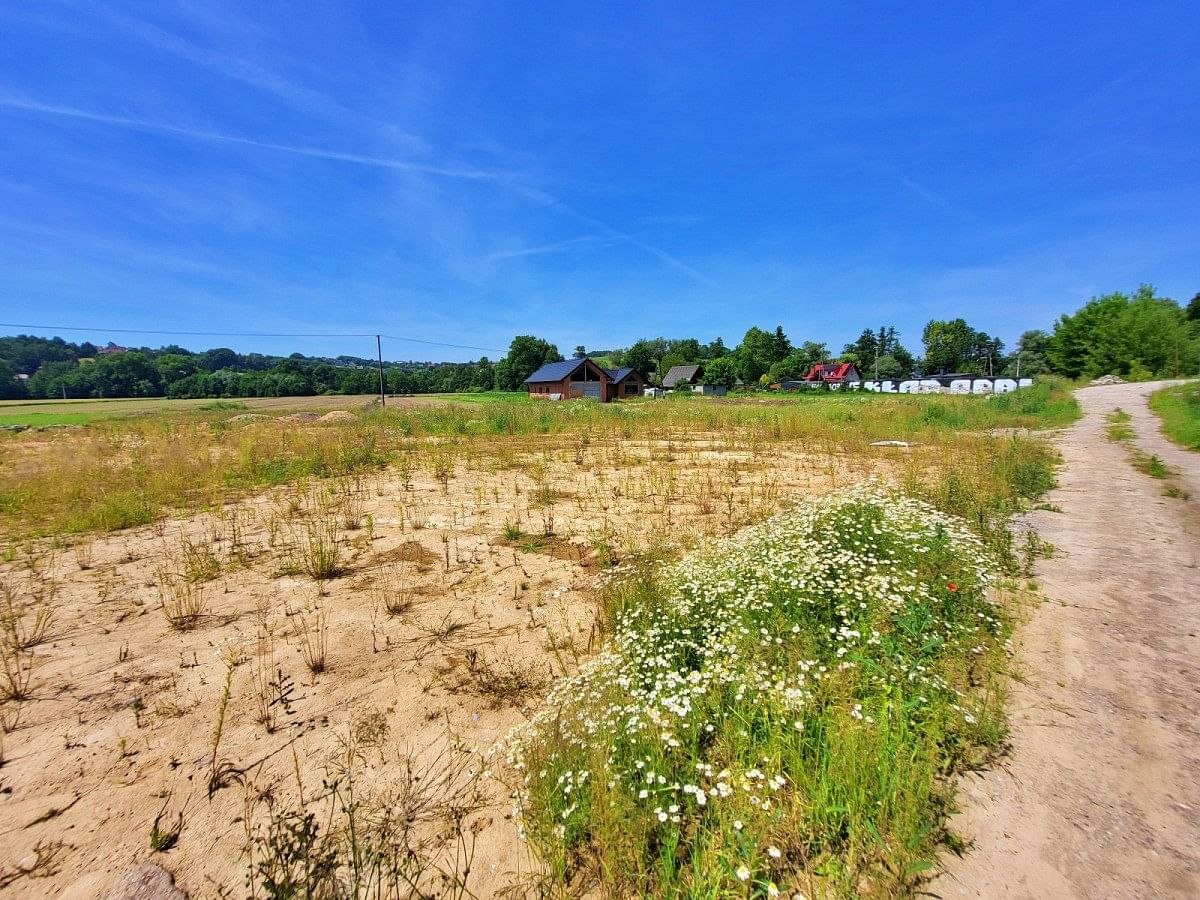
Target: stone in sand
[146,882]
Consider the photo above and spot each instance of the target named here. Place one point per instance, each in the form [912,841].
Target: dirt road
[1101,794]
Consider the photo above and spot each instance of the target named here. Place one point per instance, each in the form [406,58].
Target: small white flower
[743,873]
[774,852]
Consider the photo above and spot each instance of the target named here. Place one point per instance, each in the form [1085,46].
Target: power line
[252,334]
[392,337]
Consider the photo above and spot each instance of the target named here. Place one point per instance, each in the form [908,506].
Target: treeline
[1137,336]
[53,368]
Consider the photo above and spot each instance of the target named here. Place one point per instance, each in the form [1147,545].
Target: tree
[1192,311]
[49,380]
[717,349]
[756,354]
[686,349]
[174,366]
[526,354]
[580,352]
[641,357]
[797,363]
[864,349]
[954,346]
[782,345]
[11,387]
[721,371]
[218,358]
[1114,333]
[1029,358]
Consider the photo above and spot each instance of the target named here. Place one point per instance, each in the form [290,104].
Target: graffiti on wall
[969,385]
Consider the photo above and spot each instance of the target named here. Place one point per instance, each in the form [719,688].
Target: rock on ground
[146,882]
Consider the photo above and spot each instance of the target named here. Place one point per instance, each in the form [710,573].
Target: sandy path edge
[1100,796]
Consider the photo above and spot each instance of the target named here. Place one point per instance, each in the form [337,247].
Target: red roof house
[833,373]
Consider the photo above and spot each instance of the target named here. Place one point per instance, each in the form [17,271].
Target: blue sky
[591,173]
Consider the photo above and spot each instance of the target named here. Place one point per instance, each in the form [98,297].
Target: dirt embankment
[1101,794]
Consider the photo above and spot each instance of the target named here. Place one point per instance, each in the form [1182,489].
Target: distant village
[585,379]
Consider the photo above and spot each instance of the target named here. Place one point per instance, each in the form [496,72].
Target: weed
[320,549]
[26,611]
[163,838]
[182,600]
[507,683]
[1150,464]
[200,563]
[394,592]
[410,840]
[221,772]
[84,553]
[351,501]
[273,688]
[312,628]
[16,672]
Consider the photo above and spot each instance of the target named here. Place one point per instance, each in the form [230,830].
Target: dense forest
[1137,336]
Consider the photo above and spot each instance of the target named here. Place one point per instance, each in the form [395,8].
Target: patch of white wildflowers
[841,606]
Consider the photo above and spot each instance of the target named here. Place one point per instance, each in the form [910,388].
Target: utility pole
[1019,352]
[379,354]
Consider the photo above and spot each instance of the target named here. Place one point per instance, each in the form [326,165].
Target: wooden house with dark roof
[627,382]
[570,379]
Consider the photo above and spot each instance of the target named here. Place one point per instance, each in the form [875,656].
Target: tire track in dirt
[1100,796]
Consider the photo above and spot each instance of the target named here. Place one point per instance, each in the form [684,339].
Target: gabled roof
[830,372]
[677,374]
[557,371]
[619,375]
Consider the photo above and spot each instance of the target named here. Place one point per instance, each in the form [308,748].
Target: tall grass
[1179,409]
[122,473]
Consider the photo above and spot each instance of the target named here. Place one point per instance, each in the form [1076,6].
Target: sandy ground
[1100,796]
[123,708]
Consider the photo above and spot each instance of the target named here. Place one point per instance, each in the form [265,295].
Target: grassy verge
[780,712]
[1179,409]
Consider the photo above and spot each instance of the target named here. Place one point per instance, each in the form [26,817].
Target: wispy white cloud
[556,246]
[470,173]
[505,180]
[236,68]
[549,200]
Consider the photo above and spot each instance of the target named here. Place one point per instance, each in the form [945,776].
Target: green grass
[192,456]
[63,418]
[1179,409]
[1121,432]
[1150,464]
[1119,428]
[779,712]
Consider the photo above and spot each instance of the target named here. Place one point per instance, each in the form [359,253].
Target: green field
[82,412]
